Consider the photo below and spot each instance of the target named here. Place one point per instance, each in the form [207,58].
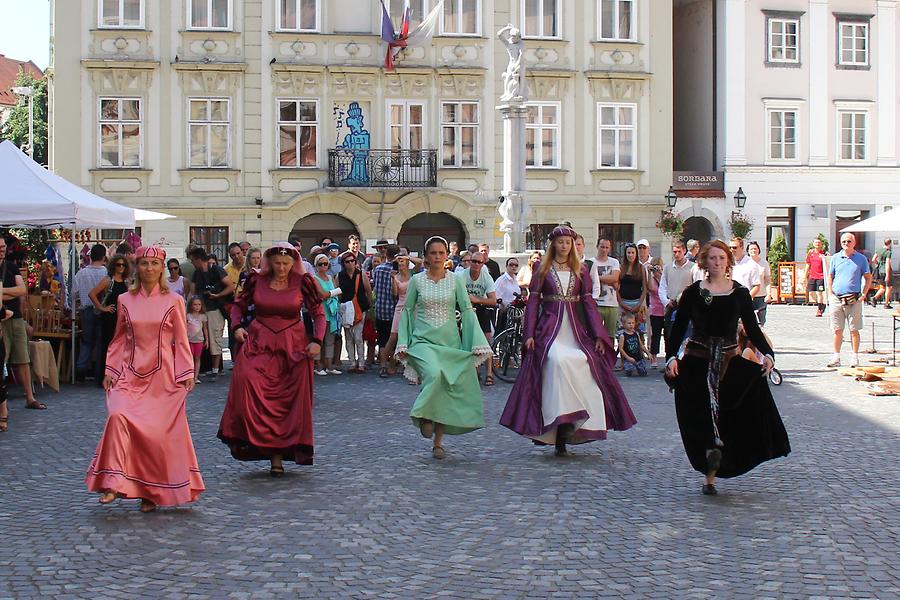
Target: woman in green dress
[440,354]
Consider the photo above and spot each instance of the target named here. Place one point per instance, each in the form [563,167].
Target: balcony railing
[375,168]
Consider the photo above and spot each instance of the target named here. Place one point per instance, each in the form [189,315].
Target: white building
[258,118]
[796,101]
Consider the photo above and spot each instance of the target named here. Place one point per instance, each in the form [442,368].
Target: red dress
[270,403]
[146,449]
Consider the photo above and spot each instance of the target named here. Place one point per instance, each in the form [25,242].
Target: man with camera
[215,288]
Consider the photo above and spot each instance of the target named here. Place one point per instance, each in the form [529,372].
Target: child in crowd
[632,349]
[198,332]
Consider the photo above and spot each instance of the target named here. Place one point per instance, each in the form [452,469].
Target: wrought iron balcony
[376,168]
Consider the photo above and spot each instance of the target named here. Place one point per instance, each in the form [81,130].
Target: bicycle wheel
[507,356]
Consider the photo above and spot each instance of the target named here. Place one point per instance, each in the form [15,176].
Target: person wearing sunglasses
[332,306]
[746,272]
[178,284]
[465,261]
[104,297]
[848,283]
[356,294]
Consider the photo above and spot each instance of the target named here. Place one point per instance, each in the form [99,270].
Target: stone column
[886,61]
[513,206]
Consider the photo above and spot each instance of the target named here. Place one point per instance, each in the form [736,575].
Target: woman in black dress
[728,419]
[104,297]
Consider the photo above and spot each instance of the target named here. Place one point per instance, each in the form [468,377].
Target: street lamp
[28,92]
[740,198]
[671,197]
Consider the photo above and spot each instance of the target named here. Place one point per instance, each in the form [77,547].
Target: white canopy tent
[887,221]
[33,197]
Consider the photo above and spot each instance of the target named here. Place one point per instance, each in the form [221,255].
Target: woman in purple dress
[566,392]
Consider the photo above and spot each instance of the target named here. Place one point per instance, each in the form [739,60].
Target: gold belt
[559,298]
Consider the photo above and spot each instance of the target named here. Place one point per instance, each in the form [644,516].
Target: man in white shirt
[507,287]
[605,281]
[644,257]
[745,271]
[676,278]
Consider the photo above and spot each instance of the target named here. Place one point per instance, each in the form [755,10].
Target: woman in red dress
[146,450]
[268,415]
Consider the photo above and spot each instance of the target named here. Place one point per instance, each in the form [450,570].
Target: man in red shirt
[815,275]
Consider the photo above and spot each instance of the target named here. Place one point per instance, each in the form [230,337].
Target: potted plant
[740,224]
[671,225]
[778,253]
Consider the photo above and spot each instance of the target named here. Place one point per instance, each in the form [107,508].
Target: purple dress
[564,379]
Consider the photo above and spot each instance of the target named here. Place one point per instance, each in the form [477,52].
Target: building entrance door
[311,229]
[421,227]
[698,228]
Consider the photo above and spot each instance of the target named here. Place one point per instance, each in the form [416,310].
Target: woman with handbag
[331,306]
[104,297]
[728,419]
[357,292]
[566,392]
[268,415]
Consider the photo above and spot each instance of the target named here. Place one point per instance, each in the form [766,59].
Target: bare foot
[108,497]
[147,506]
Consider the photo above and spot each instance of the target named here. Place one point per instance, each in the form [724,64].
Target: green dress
[442,357]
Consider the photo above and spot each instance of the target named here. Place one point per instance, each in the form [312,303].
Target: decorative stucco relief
[617,89]
[210,81]
[546,86]
[297,83]
[120,44]
[121,80]
[343,84]
[407,84]
[461,85]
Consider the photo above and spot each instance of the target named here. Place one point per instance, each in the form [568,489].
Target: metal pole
[31,126]
[72,301]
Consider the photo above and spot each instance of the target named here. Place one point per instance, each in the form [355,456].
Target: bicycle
[507,345]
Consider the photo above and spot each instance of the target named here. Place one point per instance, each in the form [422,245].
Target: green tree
[778,252]
[16,127]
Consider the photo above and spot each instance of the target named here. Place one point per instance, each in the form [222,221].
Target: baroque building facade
[257,119]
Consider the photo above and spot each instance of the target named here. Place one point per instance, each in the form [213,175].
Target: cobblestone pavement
[376,517]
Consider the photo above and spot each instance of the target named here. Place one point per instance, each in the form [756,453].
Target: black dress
[108,326]
[744,422]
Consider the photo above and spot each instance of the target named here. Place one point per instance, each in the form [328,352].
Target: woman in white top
[178,284]
[524,276]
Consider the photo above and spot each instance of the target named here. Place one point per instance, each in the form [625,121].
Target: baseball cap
[643,242]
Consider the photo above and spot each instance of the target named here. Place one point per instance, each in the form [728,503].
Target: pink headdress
[150,252]
[281,249]
[562,230]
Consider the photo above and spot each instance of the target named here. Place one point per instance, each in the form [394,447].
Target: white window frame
[415,19]
[784,21]
[632,35]
[406,104]
[459,18]
[541,33]
[298,29]
[459,126]
[228,27]
[139,123]
[853,108]
[209,123]
[840,42]
[102,25]
[782,160]
[279,123]
[617,128]
[538,138]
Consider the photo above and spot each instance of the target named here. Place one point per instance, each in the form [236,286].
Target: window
[618,234]
[297,133]
[782,130]
[418,10]
[298,15]
[616,136]
[461,17]
[459,134]
[209,14]
[120,133]
[540,18]
[538,235]
[853,44]
[121,14]
[212,239]
[780,222]
[616,20]
[209,132]
[853,139]
[542,135]
[406,129]
[783,40]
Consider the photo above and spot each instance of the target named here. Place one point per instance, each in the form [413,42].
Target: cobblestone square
[377,517]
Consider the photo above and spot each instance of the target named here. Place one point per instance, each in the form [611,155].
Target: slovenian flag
[418,38]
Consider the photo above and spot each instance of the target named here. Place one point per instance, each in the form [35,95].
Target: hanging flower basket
[670,224]
[740,224]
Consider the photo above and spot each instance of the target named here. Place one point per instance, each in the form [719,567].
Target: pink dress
[146,449]
[402,287]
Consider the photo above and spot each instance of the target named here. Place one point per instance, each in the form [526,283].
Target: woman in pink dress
[269,415]
[146,450]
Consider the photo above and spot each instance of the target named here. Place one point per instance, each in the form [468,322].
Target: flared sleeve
[181,348]
[471,336]
[115,354]
[751,324]
[533,306]
[408,316]
[313,302]
[243,310]
[682,320]
[593,323]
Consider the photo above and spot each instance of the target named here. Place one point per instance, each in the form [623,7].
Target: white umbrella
[886,221]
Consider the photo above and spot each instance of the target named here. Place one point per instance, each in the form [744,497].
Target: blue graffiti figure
[357,141]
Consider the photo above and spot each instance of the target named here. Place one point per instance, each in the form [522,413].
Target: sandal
[489,381]
[108,497]
[438,452]
[147,506]
[277,471]
[383,373]
[36,405]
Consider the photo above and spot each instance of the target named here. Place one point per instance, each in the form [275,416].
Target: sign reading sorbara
[699,180]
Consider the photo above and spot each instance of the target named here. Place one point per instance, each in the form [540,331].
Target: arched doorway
[698,228]
[311,229]
[421,227]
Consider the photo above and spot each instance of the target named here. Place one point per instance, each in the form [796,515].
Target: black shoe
[888,306]
[710,490]
[713,460]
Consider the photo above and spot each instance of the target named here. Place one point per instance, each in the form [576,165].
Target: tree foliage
[16,127]
[778,252]
[824,239]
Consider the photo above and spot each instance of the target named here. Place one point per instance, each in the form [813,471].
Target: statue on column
[514,76]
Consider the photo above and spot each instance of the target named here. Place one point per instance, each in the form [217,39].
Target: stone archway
[413,205]
[425,225]
[344,204]
[698,228]
[312,228]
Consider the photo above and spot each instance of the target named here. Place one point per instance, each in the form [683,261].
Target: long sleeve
[408,316]
[313,302]
[115,354]
[751,325]
[682,319]
[533,306]
[181,348]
